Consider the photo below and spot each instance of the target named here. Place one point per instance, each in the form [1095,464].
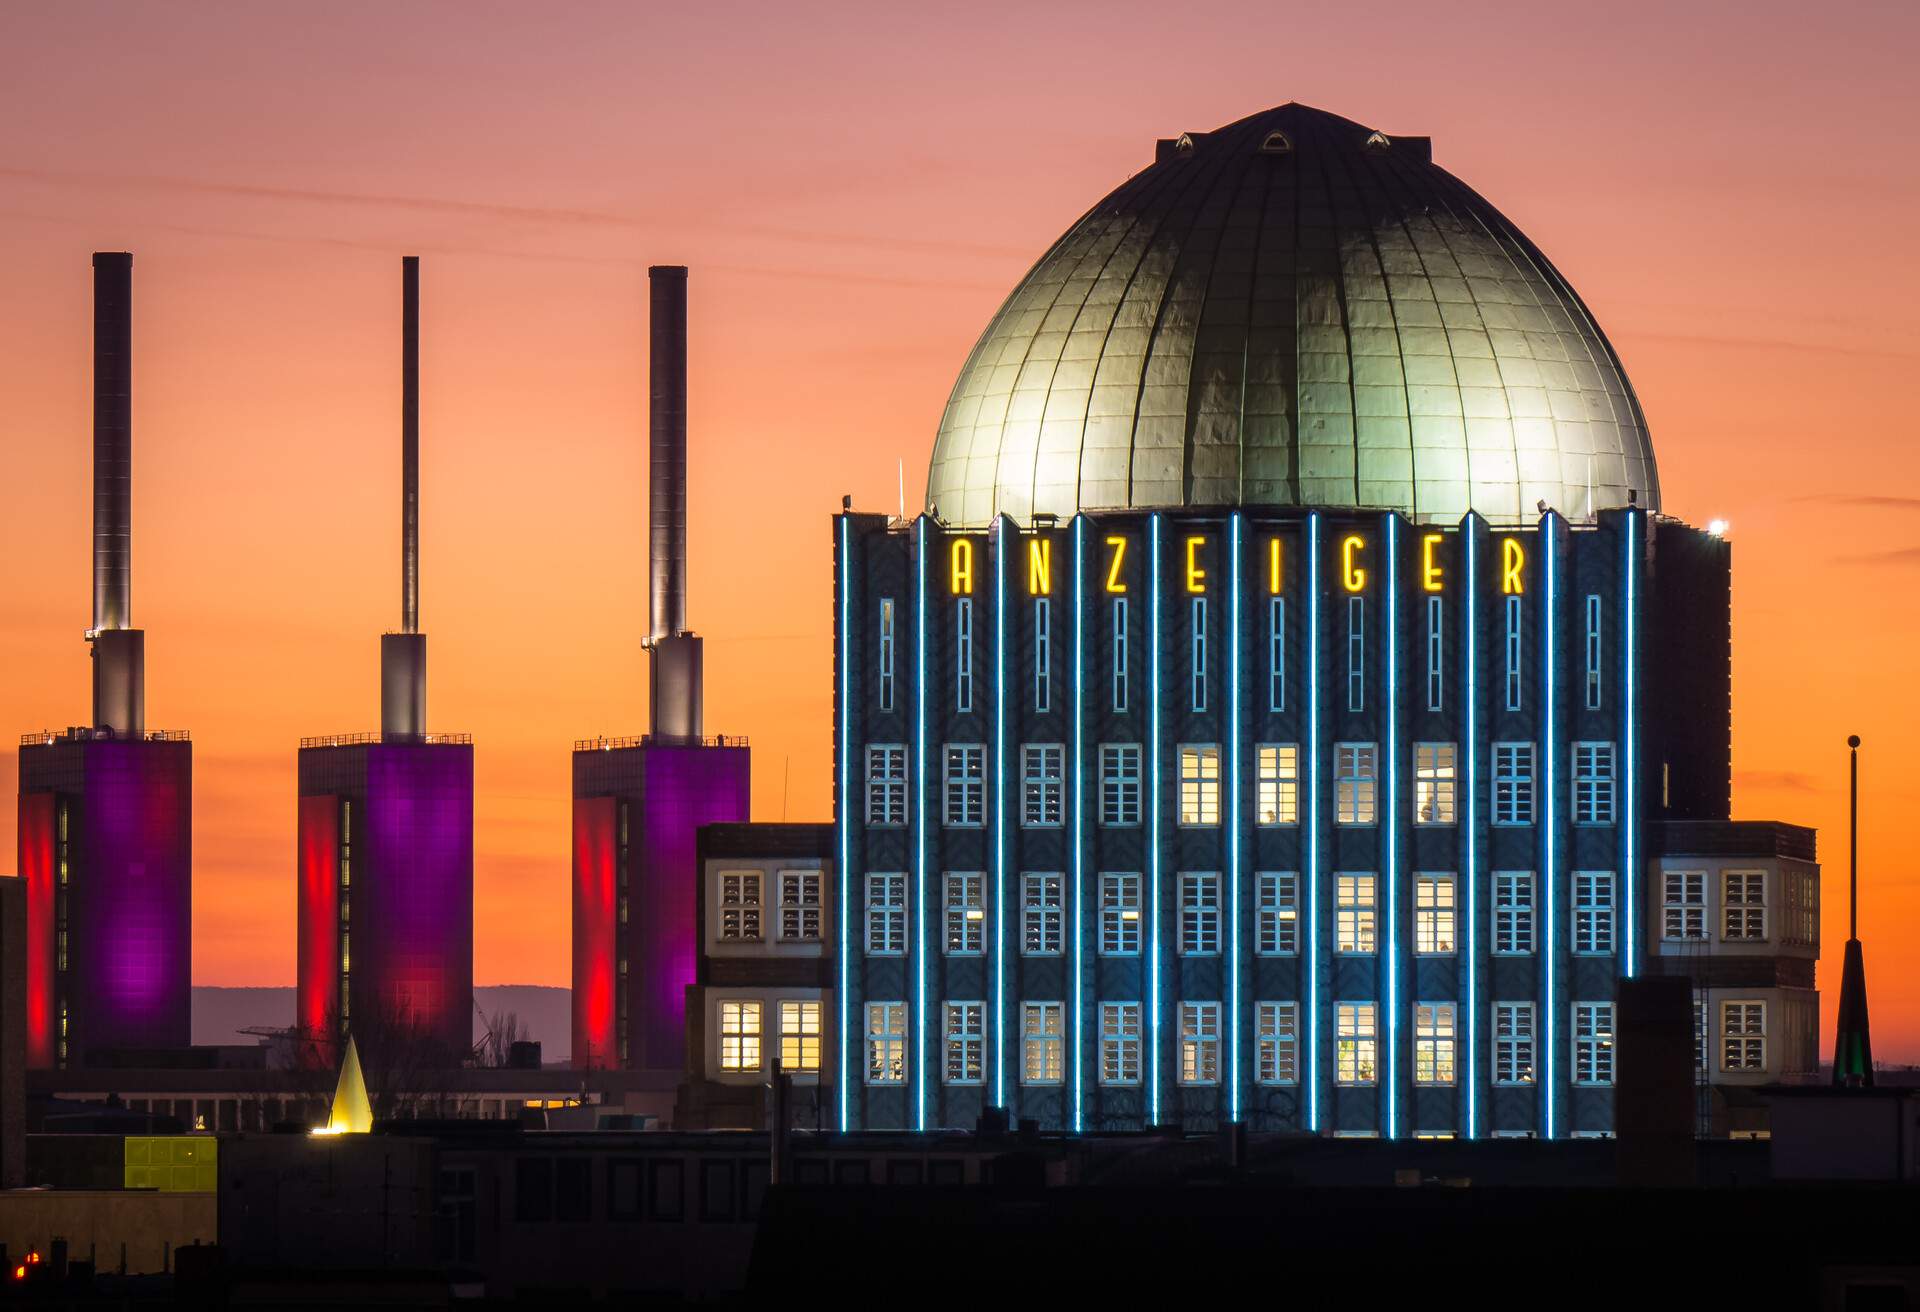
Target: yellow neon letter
[1515,559]
[1040,567]
[1350,546]
[1114,582]
[1429,570]
[962,567]
[1273,567]
[1196,577]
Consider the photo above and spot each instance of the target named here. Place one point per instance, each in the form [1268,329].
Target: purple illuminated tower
[106,810]
[638,803]
[385,938]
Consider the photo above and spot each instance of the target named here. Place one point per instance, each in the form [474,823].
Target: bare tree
[503,1031]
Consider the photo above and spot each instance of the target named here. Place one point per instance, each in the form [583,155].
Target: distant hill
[220,1014]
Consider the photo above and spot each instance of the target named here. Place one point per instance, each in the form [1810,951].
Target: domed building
[1285,708]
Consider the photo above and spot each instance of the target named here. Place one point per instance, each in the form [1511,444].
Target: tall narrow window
[1593,783]
[1593,1043]
[1593,912]
[1513,783]
[886,653]
[1200,785]
[740,905]
[966,914]
[739,1036]
[963,654]
[1277,783]
[1120,1043]
[800,905]
[1512,912]
[800,1031]
[1593,651]
[1199,653]
[1353,919]
[1434,783]
[1355,783]
[966,1042]
[886,915]
[1119,784]
[1277,654]
[1199,1043]
[1743,905]
[1119,915]
[1043,1047]
[1684,904]
[1355,1043]
[966,785]
[1276,1035]
[1514,663]
[1043,785]
[1436,654]
[1199,915]
[1433,915]
[1356,653]
[1513,1043]
[1042,653]
[886,1043]
[1040,915]
[1743,1036]
[1277,929]
[1433,1043]
[1119,653]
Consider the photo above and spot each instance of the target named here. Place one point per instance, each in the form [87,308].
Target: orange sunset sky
[1733,189]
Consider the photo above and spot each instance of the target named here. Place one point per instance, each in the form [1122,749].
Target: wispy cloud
[1898,556]
[1788,781]
[1859,501]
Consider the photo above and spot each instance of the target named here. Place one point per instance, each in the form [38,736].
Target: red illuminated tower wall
[664,793]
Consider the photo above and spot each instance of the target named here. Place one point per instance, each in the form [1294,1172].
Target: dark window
[533,1189]
[623,1190]
[850,1170]
[716,1191]
[574,1181]
[666,1187]
[753,1186]
[809,1170]
[906,1170]
[946,1170]
[457,1215]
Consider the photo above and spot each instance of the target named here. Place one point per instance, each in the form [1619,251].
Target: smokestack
[675,658]
[119,649]
[403,655]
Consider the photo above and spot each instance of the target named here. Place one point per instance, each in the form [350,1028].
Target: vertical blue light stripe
[999,543]
[1079,817]
[1549,877]
[1155,641]
[1392,815]
[1472,873]
[1234,714]
[846,812]
[1311,584]
[920,1073]
[1630,713]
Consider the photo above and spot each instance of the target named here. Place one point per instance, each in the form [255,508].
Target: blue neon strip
[1548,875]
[1629,712]
[1154,644]
[1473,838]
[1000,815]
[1234,711]
[1312,586]
[846,813]
[920,1072]
[1393,829]
[1079,816]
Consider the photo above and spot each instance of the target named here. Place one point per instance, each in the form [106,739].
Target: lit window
[1277,932]
[1043,1049]
[1119,915]
[1040,915]
[800,1021]
[1354,1043]
[1593,783]
[1356,653]
[966,915]
[1684,904]
[1199,1043]
[1513,1043]
[1355,783]
[1043,786]
[1433,1040]
[1512,913]
[1593,1043]
[1515,663]
[1513,783]
[1593,912]
[1277,654]
[1593,651]
[1276,1037]
[1277,783]
[963,654]
[1120,783]
[800,905]
[1353,920]
[886,653]
[739,905]
[966,785]
[739,1036]
[1699,1038]
[1199,915]
[886,1043]
[886,915]
[1042,653]
[886,784]
[1436,653]
[966,1042]
[1743,1036]
[1119,1043]
[1199,653]
[1433,783]
[1433,915]
[1119,653]
[1743,905]
[1199,785]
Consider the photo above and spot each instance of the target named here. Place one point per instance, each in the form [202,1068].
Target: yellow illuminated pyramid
[352,1113]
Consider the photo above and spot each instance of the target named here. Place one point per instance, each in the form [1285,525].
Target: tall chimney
[119,649]
[675,657]
[403,655]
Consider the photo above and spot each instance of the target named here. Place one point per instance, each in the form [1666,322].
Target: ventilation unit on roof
[1276,144]
[1184,143]
[1378,143]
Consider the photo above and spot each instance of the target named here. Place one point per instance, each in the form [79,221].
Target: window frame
[889,788]
[964,779]
[967,913]
[1279,777]
[1042,789]
[1359,807]
[887,913]
[1276,913]
[1042,913]
[1206,789]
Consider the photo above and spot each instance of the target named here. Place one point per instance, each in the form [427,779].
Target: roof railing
[87,733]
[360,739]
[665,740]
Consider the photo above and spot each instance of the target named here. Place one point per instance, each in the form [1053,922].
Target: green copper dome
[1292,310]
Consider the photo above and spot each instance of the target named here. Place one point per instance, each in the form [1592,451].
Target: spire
[1852,1043]
[352,1113]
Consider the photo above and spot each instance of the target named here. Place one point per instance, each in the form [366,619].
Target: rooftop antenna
[1852,1043]
[902,470]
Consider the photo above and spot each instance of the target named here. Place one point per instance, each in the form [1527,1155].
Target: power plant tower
[106,810]
[638,803]
[385,938]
